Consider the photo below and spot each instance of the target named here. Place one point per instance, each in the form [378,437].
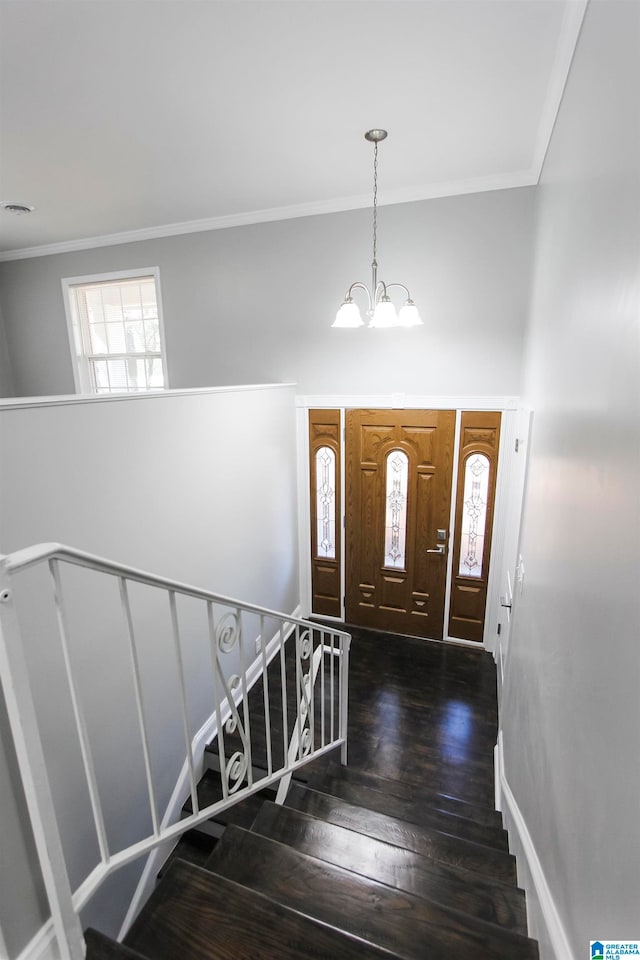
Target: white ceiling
[148,115]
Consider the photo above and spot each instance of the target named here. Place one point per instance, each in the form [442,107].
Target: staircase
[353,865]
[399,854]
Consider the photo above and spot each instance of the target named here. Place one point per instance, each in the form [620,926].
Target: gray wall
[254,304]
[167,484]
[6,374]
[570,707]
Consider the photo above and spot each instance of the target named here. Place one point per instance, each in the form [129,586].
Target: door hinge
[517,444]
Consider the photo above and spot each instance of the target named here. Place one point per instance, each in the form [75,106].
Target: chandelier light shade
[381,312]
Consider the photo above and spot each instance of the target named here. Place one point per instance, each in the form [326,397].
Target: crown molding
[565,49]
[432,191]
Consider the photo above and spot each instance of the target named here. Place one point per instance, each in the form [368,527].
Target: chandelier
[381,311]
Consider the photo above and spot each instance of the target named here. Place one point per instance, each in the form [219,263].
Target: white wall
[198,487]
[255,304]
[571,704]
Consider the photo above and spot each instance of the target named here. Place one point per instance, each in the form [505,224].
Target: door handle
[439,549]
[505,603]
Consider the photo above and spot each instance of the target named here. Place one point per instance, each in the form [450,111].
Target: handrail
[306,732]
[29,556]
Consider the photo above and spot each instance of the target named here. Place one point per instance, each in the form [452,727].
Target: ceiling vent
[12,206]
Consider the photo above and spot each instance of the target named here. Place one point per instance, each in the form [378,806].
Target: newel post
[30,756]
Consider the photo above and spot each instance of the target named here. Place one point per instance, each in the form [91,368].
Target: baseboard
[545,924]
[205,734]
[472,644]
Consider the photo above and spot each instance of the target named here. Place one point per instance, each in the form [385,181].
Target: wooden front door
[398,499]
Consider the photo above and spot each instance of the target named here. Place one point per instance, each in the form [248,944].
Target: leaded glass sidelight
[395,524]
[326,503]
[474,514]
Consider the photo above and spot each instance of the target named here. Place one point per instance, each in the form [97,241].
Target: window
[326,502]
[395,522]
[115,323]
[474,515]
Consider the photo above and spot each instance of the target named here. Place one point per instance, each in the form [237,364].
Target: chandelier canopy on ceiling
[381,311]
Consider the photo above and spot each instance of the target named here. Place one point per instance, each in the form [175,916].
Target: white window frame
[79,353]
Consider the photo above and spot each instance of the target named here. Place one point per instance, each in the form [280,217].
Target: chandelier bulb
[348,315]
[384,314]
[409,316]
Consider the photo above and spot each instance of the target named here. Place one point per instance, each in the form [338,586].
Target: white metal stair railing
[313,724]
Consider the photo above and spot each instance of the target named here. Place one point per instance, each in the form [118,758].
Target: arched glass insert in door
[326,503]
[474,515]
[395,524]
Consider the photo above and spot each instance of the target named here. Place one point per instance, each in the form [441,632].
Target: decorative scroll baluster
[333,696]
[299,702]
[216,697]
[245,704]
[183,700]
[227,634]
[265,691]
[312,704]
[135,667]
[78,713]
[304,683]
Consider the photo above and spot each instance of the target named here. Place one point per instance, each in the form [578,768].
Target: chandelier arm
[380,290]
[406,289]
[361,286]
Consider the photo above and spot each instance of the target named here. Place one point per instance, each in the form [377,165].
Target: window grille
[117,332]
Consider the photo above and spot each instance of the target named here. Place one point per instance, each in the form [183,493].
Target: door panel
[479,443]
[326,513]
[402,590]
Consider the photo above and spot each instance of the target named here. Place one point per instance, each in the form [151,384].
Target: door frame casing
[507,405]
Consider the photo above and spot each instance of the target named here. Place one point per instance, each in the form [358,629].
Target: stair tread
[242,813]
[419,767]
[405,789]
[413,812]
[101,947]
[404,869]
[396,920]
[427,842]
[198,915]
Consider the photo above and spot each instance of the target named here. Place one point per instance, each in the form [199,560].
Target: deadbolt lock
[441,534]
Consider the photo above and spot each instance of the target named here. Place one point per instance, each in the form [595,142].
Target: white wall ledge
[402,401]
[18,403]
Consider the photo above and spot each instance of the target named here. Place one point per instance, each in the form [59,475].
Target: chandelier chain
[375,202]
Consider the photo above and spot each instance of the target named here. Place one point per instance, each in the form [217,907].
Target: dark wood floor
[398,855]
[420,710]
